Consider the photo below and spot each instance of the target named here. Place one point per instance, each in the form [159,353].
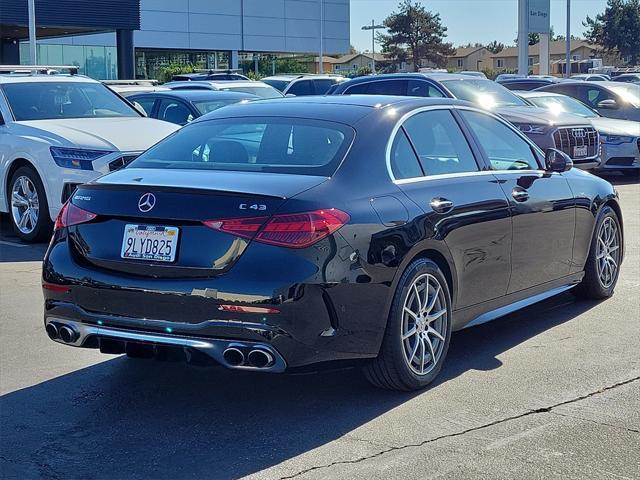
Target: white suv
[59,131]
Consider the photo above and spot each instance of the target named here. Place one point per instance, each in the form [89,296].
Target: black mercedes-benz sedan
[278,235]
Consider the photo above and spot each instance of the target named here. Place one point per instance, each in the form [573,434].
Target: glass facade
[95,61]
[151,63]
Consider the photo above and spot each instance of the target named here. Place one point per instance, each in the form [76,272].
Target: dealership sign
[539,16]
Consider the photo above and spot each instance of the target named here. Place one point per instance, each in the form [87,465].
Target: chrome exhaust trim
[52,331]
[87,334]
[233,357]
[67,334]
[260,358]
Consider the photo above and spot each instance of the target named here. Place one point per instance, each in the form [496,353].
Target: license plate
[580,151]
[149,242]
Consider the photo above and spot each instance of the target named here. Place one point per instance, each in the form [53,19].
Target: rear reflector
[238,309]
[292,230]
[55,288]
[72,215]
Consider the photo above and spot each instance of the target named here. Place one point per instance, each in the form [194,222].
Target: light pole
[320,60]
[373,27]
[32,32]
[568,40]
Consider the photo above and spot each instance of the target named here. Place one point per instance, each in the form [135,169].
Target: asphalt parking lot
[550,392]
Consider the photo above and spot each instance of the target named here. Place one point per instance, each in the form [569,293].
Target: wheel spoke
[436,316]
[415,350]
[424,354]
[18,200]
[33,218]
[433,354]
[417,294]
[23,220]
[435,333]
[410,333]
[433,301]
[410,312]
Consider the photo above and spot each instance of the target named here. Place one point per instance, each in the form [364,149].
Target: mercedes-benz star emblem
[146,202]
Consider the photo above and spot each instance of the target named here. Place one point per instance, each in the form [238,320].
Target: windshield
[277,84]
[206,106]
[264,92]
[563,104]
[274,145]
[58,100]
[629,92]
[482,92]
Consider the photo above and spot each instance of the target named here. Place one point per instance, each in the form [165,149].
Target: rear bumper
[114,340]
[322,314]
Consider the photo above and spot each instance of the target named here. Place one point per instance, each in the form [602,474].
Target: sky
[472,20]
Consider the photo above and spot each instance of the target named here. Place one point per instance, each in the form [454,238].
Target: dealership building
[122,38]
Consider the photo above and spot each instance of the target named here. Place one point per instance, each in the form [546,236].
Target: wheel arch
[435,252]
[12,167]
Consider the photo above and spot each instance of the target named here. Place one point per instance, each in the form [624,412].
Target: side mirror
[608,104]
[557,161]
[140,109]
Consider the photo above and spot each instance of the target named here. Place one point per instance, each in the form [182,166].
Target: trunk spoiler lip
[174,189]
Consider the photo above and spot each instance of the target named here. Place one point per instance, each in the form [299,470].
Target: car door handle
[519,194]
[441,205]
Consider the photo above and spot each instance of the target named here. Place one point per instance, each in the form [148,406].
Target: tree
[495,47]
[415,34]
[617,30]
[534,38]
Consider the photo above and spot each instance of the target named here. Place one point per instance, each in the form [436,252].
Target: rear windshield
[274,145]
[58,100]
[278,84]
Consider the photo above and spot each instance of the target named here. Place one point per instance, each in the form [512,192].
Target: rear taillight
[72,215]
[293,230]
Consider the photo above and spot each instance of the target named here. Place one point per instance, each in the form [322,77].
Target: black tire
[635,173]
[390,369]
[43,227]
[591,286]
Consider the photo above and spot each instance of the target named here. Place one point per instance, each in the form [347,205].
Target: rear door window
[388,87]
[323,86]
[440,144]
[276,145]
[146,103]
[174,111]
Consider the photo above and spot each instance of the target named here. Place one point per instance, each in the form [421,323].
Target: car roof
[608,85]
[236,83]
[197,95]
[28,78]
[539,93]
[294,76]
[347,109]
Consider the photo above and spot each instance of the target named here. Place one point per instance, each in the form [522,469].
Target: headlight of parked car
[615,139]
[78,158]
[531,128]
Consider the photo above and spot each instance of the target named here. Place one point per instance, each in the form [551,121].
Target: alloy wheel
[608,252]
[424,324]
[25,205]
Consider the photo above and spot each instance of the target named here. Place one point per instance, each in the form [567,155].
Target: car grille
[566,139]
[120,162]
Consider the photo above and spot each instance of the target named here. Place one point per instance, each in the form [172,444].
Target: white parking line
[11,244]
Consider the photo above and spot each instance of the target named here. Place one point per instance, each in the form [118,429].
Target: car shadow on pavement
[12,249]
[127,418]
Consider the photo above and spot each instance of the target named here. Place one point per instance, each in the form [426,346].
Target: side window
[505,149]
[596,95]
[174,112]
[146,103]
[303,87]
[322,86]
[359,89]
[404,163]
[420,88]
[440,144]
[388,87]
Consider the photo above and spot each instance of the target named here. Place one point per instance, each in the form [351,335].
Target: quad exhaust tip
[67,334]
[52,331]
[233,357]
[260,358]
